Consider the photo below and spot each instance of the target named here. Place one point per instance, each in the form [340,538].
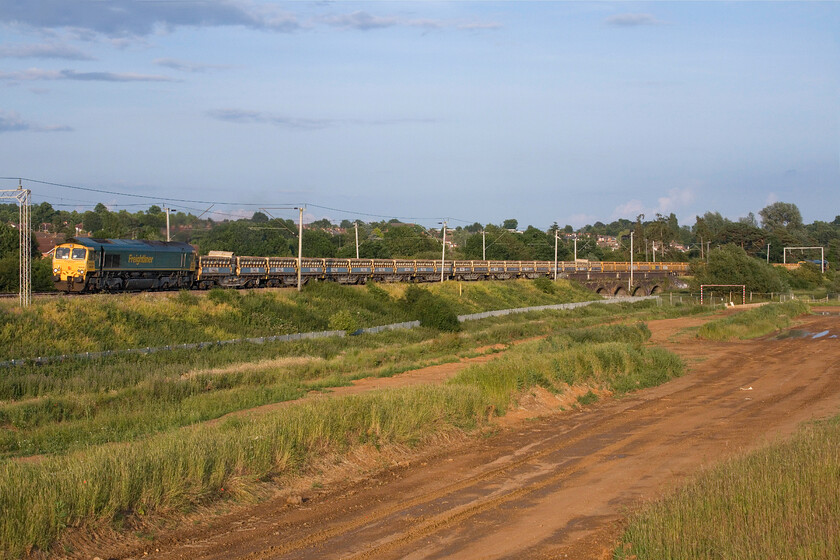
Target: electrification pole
[356,224]
[167,221]
[22,196]
[443,254]
[556,236]
[483,246]
[300,247]
[575,247]
[630,286]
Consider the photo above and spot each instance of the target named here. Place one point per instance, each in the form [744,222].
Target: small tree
[732,265]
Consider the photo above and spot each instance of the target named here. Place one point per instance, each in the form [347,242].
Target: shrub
[732,265]
[432,311]
[344,321]
[545,285]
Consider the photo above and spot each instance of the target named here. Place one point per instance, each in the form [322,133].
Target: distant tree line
[777,226]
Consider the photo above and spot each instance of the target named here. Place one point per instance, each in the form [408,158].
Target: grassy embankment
[782,501]
[111,322]
[74,409]
[754,322]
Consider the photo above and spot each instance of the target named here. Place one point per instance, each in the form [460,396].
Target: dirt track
[552,487]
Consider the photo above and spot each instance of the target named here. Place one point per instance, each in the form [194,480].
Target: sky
[470,111]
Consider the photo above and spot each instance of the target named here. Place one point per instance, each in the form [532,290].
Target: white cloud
[41,74]
[633,20]
[676,199]
[771,198]
[43,50]
[10,121]
[629,210]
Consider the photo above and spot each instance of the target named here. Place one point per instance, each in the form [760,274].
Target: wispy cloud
[479,26]
[11,121]
[629,210]
[186,66]
[131,17]
[364,21]
[33,74]
[257,117]
[633,20]
[43,50]
[242,116]
[674,201]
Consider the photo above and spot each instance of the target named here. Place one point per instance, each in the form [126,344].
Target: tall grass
[172,469]
[754,322]
[608,357]
[67,406]
[781,502]
[183,468]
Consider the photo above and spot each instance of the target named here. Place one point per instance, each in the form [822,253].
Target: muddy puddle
[799,333]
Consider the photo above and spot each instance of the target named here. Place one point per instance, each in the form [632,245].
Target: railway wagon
[85,264]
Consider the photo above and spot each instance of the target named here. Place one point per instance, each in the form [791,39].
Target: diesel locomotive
[113,265]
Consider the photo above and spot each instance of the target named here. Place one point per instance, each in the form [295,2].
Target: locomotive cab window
[62,253]
[79,254]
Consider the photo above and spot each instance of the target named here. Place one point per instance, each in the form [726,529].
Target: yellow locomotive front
[71,265]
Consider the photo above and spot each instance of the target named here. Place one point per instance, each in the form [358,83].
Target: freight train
[85,264]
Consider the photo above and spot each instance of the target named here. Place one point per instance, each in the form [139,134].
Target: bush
[732,265]
[344,321]
[545,285]
[432,311]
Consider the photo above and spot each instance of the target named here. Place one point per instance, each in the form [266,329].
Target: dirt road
[553,487]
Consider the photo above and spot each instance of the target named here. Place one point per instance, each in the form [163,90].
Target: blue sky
[571,112]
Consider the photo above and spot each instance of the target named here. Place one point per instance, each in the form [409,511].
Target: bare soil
[550,485]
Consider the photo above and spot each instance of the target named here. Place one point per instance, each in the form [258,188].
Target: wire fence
[724,297]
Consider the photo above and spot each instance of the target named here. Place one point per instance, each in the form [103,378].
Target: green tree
[732,265]
[409,241]
[781,215]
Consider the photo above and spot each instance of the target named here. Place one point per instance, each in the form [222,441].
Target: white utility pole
[443,254]
[630,285]
[167,222]
[556,237]
[356,224]
[300,248]
[575,247]
[768,253]
[483,246]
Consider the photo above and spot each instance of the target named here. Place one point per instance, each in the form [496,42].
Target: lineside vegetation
[126,436]
[113,322]
[754,322]
[780,502]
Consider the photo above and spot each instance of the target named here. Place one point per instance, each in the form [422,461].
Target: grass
[754,322]
[574,357]
[126,435]
[111,322]
[62,407]
[780,502]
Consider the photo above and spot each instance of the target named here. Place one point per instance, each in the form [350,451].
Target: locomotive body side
[87,264]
